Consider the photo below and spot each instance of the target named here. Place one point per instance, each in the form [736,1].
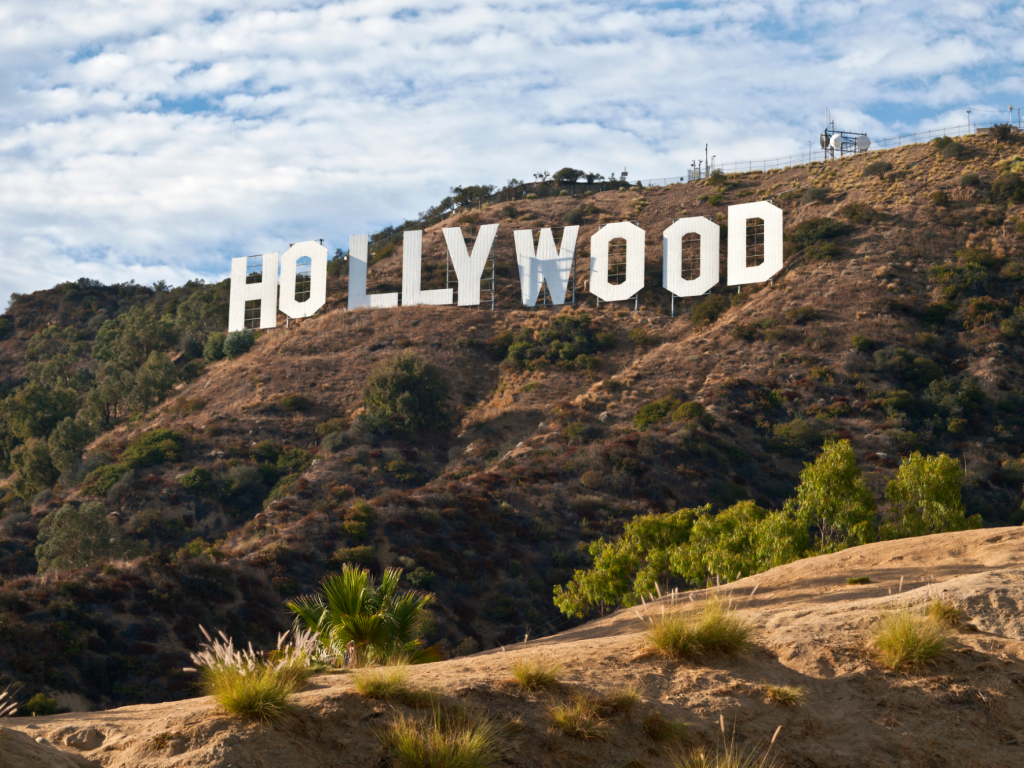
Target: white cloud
[157,140]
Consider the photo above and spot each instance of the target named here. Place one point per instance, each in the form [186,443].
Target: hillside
[813,628]
[896,324]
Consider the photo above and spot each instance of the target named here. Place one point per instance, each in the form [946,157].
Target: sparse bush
[534,674]
[693,412]
[878,168]
[621,700]
[1008,187]
[102,479]
[709,310]
[795,438]
[449,738]
[970,180]
[642,337]
[858,213]
[422,578]
[802,315]
[940,198]
[713,628]
[953,149]
[945,613]
[578,433]
[906,639]
[570,340]
[815,195]
[856,580]
[406,394]
[784,695]
[718,178]
[294,402]
[822,251]
[659,728]
[1002,131]
[580,719]
[238,343]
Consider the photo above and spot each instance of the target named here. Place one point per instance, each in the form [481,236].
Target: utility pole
[706,164]
[968,122]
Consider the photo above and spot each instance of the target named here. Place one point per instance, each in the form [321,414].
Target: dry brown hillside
[965,710]
[899,329]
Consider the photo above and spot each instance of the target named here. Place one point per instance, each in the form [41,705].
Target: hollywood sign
[255,293]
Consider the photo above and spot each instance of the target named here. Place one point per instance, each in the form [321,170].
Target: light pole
[712,160]
[968,122]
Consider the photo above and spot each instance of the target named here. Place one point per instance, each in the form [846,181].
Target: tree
[73,538]
[625,570]
[567,176]
[35,470]
[833,499]
[155,378]
[406,393]
[214,349]
[53,355]
[130,338]
[35,409]
[739,541]
[925,498]
[381,622]
[66,443]
[107,401]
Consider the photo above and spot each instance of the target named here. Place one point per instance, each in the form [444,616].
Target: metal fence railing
[816,155]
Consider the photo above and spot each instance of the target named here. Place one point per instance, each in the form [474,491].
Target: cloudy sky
[144,140]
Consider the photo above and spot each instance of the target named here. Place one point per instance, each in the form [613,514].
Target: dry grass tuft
[382,682]
[784,695]
[450,737]
[945,612]
[713,628]
[621,700]
[729,755]
[906,638]
[659,728]
[534,675]
[580,718]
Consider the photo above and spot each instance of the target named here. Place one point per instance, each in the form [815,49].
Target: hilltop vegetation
[493,455]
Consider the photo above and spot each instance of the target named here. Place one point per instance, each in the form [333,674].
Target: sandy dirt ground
[965,710]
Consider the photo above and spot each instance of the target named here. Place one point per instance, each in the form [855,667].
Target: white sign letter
[412,264]
[469,268]
[599,285]
[672,278]
[549,265]
[739,272]
[311,257]
[263,289]
[358,248]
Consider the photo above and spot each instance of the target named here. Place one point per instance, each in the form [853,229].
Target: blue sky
[150,141]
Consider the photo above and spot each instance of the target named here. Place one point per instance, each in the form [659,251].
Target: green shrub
[653,412]
[570,340]
[940,198]
[856,580]
[693,411]
[40,705]
[192,370]
[406,394]
[281,488]
[945,613]
[861,343]
[152,448]
[1002,131]
[712,628]
[421,578]
[364,555]
[716,199]
[197,480]
[383,682]
[959,279]
[578,433]
[906,638]
[642,337]
[102,479]
[294,402]
[784,695]
[816,230]
[5,326]
[718,178]
[573,217]
[709,310]
[331,426]
[238,343]
[802,315]
[953,149]
[1008,187]
[878,168]
[795,438]
[858,213]
[214,349]
[822,251]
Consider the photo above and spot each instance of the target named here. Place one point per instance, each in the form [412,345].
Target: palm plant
[377,619]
